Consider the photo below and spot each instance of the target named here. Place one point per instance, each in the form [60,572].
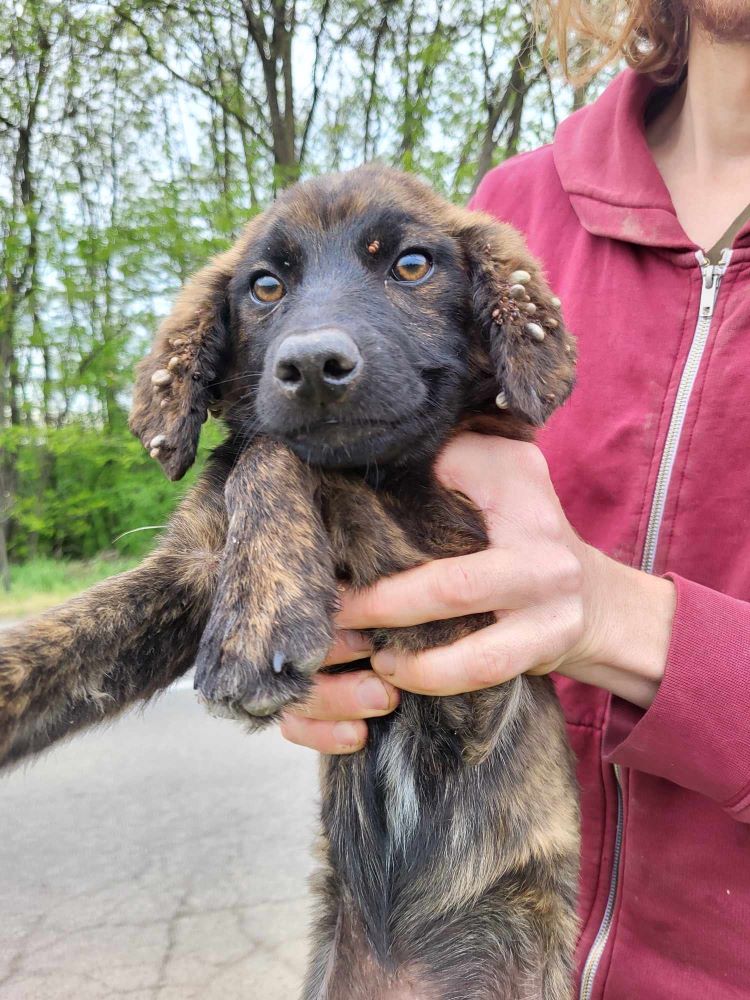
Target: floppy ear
[518,318]
[173,382]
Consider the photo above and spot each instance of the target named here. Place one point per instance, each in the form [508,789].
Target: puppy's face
[358,320]
[355,324]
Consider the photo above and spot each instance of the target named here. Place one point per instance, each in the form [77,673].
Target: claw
[278,662]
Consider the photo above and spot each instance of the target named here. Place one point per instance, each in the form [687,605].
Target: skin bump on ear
[172,395]
[519,320]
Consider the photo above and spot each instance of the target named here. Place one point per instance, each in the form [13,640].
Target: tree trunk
[511,101]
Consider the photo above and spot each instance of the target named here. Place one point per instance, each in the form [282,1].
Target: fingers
[508,481]
[490,469]
[525,641]
[492,580]
[332,719]
[340,697]
[325,737]
[347,647]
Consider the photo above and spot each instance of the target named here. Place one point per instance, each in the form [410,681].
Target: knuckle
[453,586]
[422,670]
[552,570]
[568,572]
[532,462]
[576,621]
[426,671]
[549,523]
[536,575]
[568,623]
[490,665]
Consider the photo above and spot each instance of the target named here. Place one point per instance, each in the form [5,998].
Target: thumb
[485,469]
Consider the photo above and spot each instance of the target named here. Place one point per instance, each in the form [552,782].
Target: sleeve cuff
[696,733]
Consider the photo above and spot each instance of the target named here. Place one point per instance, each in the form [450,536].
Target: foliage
[136,137]
[38,584]
[82,490]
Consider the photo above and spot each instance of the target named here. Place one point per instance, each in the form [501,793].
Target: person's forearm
[629,641]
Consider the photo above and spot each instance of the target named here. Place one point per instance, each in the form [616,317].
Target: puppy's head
[359,320]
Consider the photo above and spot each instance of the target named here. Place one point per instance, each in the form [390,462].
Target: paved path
[163,858]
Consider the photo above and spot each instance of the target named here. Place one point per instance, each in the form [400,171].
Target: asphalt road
[162,858]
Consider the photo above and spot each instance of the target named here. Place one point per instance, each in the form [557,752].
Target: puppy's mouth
[379,424]
[337,441]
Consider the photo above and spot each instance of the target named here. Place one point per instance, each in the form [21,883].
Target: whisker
[146,527]
[234,378]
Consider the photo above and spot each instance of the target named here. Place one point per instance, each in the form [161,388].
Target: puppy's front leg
[121,641]
[270,624]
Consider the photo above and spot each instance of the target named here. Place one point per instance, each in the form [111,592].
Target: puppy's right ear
[173,382]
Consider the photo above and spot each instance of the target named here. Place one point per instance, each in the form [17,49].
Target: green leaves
[79,490]
[137,137]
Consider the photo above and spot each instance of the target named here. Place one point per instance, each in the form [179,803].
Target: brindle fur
[449,844]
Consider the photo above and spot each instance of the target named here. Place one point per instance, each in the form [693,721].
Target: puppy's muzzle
[320,366]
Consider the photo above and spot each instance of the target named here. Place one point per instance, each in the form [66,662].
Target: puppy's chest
[375,533]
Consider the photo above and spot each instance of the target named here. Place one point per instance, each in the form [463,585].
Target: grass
[41,583]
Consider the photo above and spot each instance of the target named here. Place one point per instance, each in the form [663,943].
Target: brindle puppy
[351,330]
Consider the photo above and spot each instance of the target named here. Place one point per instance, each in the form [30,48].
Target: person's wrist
[629,624]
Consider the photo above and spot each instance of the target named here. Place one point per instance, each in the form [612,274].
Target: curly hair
[587,35]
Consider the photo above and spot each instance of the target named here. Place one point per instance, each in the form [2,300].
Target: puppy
[351,330]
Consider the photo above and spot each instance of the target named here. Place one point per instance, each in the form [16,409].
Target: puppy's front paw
[251,670]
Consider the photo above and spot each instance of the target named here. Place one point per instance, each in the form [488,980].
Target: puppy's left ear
[173,382]
[519,321]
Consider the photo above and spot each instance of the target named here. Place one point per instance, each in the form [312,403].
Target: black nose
[322,364]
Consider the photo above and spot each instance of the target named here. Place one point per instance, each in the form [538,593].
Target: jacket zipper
[602,935]
[711,275]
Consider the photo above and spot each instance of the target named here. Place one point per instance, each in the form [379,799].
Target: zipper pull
[712,275]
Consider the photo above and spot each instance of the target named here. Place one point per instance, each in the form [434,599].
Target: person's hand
[559,605]
[332,719]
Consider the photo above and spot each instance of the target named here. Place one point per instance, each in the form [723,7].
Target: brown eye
[412,266]
[267,288]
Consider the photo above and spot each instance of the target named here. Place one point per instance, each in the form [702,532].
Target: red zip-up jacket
[651,460]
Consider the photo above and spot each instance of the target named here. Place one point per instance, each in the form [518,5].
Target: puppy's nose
[322,364]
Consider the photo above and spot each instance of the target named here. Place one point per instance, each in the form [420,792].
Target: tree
[135,138]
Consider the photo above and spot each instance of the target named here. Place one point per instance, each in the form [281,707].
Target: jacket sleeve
[696,733]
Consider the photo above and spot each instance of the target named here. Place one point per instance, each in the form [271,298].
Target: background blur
[135,139]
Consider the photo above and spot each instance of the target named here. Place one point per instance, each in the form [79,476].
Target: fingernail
[347,735]
[385,663]
[356,641]
[372,693]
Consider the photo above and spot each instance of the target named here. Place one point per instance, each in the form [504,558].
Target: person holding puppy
[620,555]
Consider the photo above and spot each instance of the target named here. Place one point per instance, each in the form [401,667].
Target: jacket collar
[606,168]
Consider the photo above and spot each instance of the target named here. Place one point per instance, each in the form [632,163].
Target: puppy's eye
[267,288]
[412,266]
